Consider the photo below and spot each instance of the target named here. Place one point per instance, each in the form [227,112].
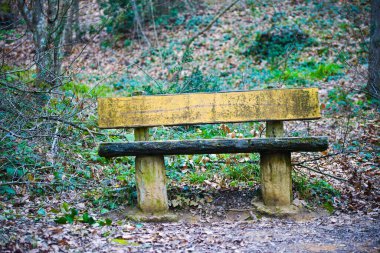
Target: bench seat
[213,146]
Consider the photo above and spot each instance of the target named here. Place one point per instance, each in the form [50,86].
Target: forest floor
[235,232]
[226,223]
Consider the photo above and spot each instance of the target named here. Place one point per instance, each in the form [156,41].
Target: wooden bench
[273,106]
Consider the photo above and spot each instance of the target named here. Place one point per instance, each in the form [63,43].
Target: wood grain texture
[203,108]
[276,170]
[152,195]
[212,146]
[276,178]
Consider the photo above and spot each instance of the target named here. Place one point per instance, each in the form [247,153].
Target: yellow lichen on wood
[151,184]
[276,171]
[198,108]
[150,179]
[276,179]
[141,134]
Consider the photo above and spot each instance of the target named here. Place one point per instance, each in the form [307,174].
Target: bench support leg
[276,178]
[150,179]
[151,184]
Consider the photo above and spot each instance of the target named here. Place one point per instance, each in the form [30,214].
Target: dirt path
[343,233]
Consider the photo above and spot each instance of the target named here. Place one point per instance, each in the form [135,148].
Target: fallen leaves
[345,232]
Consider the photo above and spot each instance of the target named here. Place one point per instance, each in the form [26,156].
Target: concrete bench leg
[152,198]
[276,179]
[151,184]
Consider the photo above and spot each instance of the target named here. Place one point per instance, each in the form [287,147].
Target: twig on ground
[20,136]
[320,172]
[233,162]
[26,183]
[241,210]
[325,156]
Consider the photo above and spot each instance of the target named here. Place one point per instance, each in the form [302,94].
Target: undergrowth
[315,191]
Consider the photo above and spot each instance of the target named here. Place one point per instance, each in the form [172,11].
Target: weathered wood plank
[198,108]
[213,146]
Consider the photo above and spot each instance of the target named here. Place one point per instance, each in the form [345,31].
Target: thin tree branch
[320,172]
[325,156]
[27,182]
[192,39]
[20,136]
[138,21]
[76,126]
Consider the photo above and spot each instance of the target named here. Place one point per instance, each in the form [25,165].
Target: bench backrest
[205,108]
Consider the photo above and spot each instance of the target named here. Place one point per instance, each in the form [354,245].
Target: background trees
[47,20]
[129,18]
[72,33]
[373,85]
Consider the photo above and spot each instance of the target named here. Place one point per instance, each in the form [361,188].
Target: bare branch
[20,136]
[192,39]
[320,172]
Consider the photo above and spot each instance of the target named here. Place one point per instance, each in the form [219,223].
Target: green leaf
[74,212]
[329,207]
[91,221]
[106,234]
[88,219]
[65,207]
[61,220]
[120,241]
[42,212]
[8,190]
[10,171]
[70,219]
[121,178]
[108,222]
[85,217]
[53,210]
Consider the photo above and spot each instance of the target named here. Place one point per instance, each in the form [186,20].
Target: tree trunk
[68,34]
[72,30]
[76,26]
[373,85]
[46,20]
[138,22]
